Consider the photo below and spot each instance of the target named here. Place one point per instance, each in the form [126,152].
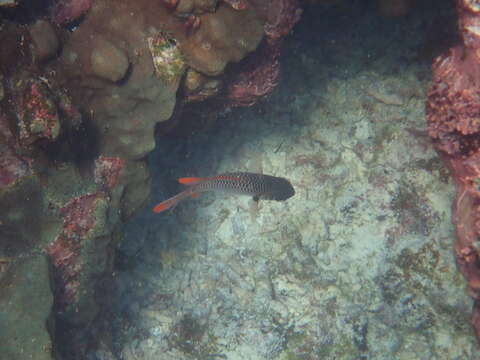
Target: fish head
[281,189]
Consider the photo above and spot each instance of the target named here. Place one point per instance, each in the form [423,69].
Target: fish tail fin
[190,180]
[173,201]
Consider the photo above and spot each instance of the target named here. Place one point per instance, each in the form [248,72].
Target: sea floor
[357,265]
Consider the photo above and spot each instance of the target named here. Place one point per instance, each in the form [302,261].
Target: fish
[260,186]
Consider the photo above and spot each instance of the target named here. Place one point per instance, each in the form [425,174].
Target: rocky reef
[453,110]
[82,87]
[357,265]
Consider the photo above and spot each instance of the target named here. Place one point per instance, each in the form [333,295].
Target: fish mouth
[286,192]
[290,194]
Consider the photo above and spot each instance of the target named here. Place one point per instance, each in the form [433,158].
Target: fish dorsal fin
[189,180]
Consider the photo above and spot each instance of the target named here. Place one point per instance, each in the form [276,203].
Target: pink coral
[107,171]
[453,109]
[283,16]
[38,115]
[258,78]
[64,251]
[260,72]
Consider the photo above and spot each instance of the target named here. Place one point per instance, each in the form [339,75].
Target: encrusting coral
[453,108]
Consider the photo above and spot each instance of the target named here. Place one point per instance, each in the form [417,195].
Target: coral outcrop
[453,111]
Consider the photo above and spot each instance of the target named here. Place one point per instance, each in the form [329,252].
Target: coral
[107,171]
[258,78]
[44,40]
[79,218]
[37,113]
[110,76]
[84,227]
[66,11]
[199,87]
[12,165]
[108,61]
[454,105]
[260,72]
[227,35]
[184,7]
[125,128]
[167,58]
[42,109]
[237,4]
[281,20]
[453,109]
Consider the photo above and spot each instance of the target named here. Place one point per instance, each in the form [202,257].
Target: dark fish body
[259,186]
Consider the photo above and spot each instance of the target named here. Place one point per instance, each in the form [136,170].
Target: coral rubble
[453,111]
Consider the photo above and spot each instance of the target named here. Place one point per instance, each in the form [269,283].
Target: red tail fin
[190,180]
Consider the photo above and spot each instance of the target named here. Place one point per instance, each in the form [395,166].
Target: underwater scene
[239,179]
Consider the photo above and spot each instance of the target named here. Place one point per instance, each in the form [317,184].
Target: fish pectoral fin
[189,180]
[194,195]
[173,201]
